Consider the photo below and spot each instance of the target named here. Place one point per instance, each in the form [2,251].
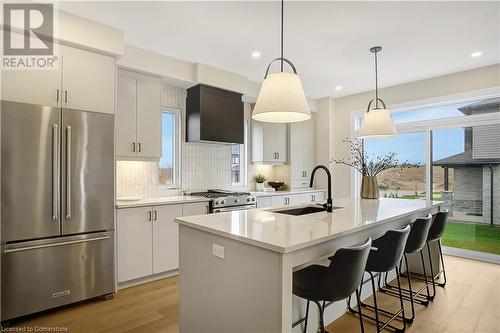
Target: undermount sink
[303,210]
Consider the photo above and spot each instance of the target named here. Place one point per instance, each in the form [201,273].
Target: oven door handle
[233,208]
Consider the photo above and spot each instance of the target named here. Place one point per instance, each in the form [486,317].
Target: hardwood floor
[469,303]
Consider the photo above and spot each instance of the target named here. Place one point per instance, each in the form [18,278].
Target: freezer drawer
[43,274]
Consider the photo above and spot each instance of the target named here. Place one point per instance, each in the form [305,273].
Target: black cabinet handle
[156,215]
[149,215]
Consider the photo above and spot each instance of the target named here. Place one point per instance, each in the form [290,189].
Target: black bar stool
[415,243]
[436,232]
[321,284]
[385,255]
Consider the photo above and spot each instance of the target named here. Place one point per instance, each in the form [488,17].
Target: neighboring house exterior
[476,175]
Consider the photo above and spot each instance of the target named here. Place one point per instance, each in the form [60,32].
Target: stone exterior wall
[487,194]
[468,191]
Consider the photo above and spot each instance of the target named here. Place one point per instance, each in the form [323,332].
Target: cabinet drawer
[312,197]
[264,202]
[198,208]
[286,200]
[299,183]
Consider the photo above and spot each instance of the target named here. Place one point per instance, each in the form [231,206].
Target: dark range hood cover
[214,115]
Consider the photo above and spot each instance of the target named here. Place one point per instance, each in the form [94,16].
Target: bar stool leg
[442,263]
[425,276]
[408,275]
[401,301]
[358,298]
[374,290]
[321,322]
[307,316]
[432,272]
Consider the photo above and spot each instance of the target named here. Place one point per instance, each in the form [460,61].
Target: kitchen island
[236,267]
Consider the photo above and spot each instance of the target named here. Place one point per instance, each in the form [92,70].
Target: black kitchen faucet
[329,202]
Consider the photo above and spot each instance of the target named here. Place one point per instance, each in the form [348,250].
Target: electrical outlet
[218,251]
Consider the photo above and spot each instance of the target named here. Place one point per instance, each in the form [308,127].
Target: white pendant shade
[281,100]
[377,123]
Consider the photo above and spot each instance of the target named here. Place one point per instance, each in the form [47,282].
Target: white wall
[340,109]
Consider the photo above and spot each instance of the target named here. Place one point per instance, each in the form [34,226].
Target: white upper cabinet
[302,152]
[41,87]
[81,80]
[281,131]
[88,80]
[126,117]
[269,142]
[148,119]
[138,116]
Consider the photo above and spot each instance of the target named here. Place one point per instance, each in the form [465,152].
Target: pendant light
[281,98]
[377,122]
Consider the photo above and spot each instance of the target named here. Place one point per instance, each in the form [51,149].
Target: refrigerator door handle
[55,171]
[34,247]
[68,172]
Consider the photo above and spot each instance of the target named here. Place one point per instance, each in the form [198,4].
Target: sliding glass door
[456,151]
[465,168]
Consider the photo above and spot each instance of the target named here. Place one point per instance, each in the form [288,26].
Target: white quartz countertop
[170,200]
[270,194]
[287,233]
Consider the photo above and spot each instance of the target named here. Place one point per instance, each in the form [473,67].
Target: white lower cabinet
[148,238]
[165,238]
[134,232]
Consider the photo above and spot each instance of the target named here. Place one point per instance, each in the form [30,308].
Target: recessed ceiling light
[338,88]
[255,54]
[476,54]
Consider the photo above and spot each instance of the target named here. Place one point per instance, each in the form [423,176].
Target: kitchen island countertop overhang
[236,268]
[269,229]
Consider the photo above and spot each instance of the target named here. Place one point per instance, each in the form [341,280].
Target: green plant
[259,178]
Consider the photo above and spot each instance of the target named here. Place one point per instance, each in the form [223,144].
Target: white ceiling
[327,41]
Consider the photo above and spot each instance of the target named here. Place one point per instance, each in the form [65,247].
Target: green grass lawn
[470,236]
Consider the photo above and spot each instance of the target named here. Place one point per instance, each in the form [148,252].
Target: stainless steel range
[225,201]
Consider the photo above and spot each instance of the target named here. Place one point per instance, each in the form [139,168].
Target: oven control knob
[236,200]
[222,202]
[253,199]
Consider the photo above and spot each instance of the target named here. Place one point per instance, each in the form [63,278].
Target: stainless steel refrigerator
[57,197]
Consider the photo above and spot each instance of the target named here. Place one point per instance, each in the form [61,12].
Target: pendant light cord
[282,5]
[376,81]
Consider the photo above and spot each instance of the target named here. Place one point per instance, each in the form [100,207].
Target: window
[170,148]
[238,161]
[407,183]
[457,148]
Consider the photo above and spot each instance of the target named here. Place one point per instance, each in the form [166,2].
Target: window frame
[243,158]
[428,126]
[176,148]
